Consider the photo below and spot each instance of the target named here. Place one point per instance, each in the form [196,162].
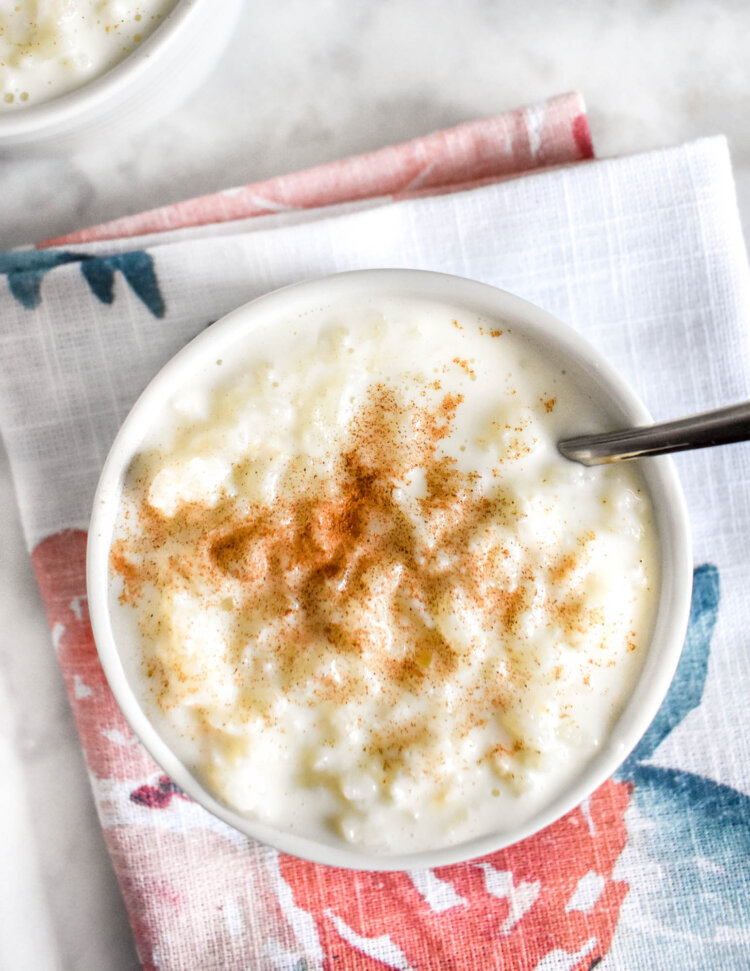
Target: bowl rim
[105,90]
[670,513]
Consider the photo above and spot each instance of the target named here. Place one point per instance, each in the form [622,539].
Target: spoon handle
[720,427]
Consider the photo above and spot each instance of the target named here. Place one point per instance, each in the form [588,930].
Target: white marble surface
[301,84]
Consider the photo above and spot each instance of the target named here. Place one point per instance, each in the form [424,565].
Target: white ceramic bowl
[156,77]
[585,366]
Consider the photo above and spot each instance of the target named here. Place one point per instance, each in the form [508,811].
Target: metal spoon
[720,427]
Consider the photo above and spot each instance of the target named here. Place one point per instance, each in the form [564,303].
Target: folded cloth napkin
[645,256]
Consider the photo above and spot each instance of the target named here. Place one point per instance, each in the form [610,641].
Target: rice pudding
[51,47]
[372,603]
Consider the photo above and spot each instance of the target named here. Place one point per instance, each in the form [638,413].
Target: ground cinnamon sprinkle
[464,365]
[333,565]
[322,561]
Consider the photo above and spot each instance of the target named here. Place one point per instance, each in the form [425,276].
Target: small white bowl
[167,67]
[584,364]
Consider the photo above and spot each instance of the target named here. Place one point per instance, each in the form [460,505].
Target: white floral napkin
[645,256]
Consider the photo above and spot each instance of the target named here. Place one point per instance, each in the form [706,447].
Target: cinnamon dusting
[349,584]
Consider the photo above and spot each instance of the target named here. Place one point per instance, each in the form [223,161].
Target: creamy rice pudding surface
[372,601]
[51,47]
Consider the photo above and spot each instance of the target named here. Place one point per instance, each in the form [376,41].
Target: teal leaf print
[686,690]
[698,841]
[690,830]
[137,268]
[26,269]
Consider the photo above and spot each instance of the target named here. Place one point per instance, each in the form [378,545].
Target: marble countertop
[302,84]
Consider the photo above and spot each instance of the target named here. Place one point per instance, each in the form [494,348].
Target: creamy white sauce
[372,601]
[51,47]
